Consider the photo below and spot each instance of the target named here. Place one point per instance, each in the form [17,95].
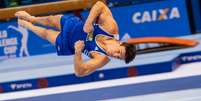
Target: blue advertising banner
[164,18]
[16,41]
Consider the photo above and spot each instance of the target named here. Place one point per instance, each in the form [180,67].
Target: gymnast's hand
[79,46]
[88,27]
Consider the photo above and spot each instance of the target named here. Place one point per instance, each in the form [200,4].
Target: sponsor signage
[16,86]
[164,18]
[16,41]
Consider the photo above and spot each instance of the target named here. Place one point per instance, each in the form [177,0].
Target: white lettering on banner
[9,44]
[3,34]
[191,58]
[8,41]
[125,37]
[20,86]
[156,15]
[175,13]
[10,49]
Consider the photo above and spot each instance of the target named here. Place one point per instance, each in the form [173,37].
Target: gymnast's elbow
[82,71]
[80,74]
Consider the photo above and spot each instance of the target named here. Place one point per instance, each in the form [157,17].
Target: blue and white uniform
[72,31]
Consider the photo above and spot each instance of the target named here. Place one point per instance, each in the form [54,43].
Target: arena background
[30,70]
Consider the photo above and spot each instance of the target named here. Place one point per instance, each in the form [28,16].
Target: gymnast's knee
[54,20]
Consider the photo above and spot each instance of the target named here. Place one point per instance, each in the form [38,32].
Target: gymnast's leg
[44,33]
[52,20]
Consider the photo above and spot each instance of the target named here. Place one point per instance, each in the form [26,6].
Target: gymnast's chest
[89,47]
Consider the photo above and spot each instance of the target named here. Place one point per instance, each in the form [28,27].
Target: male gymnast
[76,37]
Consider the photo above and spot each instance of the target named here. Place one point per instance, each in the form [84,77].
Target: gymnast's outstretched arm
[51,20]
[106,20]
[83,68]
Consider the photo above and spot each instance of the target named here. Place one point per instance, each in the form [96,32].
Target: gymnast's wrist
[78,52]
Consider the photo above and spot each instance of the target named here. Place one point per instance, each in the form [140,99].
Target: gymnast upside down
[97,41]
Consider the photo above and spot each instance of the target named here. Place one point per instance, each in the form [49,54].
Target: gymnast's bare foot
[24,23]
[25,16]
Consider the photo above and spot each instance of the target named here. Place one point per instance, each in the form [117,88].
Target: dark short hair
[130,52]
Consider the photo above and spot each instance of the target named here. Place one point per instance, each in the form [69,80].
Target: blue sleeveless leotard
[72,31]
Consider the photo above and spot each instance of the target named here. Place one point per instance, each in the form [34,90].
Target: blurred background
[30,67]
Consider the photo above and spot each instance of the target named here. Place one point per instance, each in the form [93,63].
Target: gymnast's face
[114,49]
